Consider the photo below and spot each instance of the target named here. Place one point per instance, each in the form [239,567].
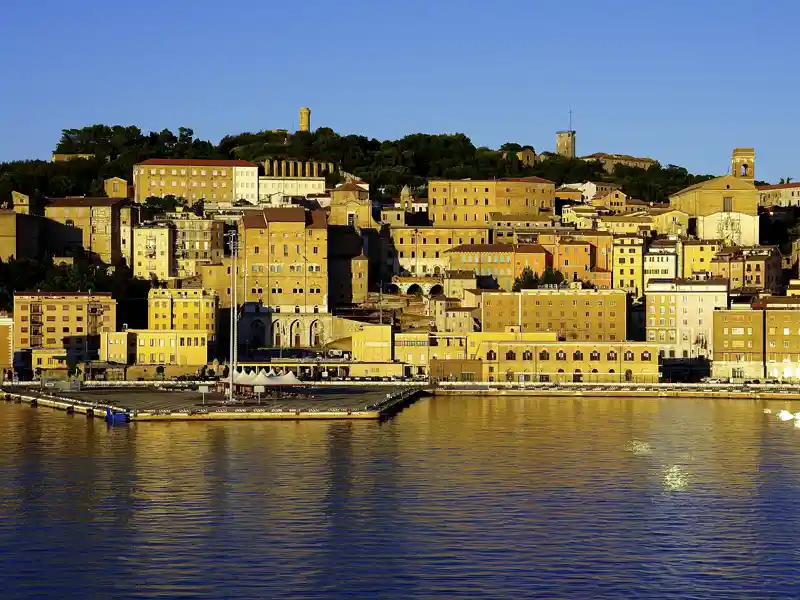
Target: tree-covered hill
[386,165]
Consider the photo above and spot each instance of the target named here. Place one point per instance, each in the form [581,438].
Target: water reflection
[456,497]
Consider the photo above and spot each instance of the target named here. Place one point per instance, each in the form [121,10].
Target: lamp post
[233,243]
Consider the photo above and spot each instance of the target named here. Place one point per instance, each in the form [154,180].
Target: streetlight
[233,243]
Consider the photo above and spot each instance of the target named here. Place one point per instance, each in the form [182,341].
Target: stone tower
[406,202]
[305,119]
[565,143]
[743,163]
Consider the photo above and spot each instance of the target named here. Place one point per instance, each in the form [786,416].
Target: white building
[663,260]
[680,315]
[590,189]
[277,190]
[245,183]
[782,194]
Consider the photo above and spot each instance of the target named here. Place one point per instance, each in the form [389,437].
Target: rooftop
[778,186]
[82,201]
[196,162]
[314,219]
[482,248]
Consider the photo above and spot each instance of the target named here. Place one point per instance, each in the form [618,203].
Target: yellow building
[472,202]
[148,347]
[19,235]
[373,344]
[351,207]
[423,250]
[752,269]
[573,314]
[724,207]
[69,321]
[46,360]
[283,259]
[6,344]
[90,223]
[487,260]
[220,181]
[154,251]
[698,254]
[668,221]
[515,357]
[63,156]
[782,194]
[183,309]
[628,264]
[635,223]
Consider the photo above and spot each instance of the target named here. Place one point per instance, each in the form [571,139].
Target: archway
[315,335]
[437,270]
[437,290]
[278,335]
[414,290]
[258,333]
[628,375]
[577,376]
[295,334]
[392,289]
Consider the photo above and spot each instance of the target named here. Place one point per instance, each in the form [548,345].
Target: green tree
[527,280]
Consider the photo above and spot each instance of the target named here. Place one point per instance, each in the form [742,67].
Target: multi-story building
[351,207]
[197,240]
[19,235]
[517,357]
[72,321]
[422,250]
[781,337]
[189,309]
[680,315]
[220,181]
[487,260]
[628,269]
[471,202]
[738,343]
[756,268]
[154,251]
[513,229]
[610,161]
[668,221]
[159,348]
[277,191]
[89,223]
[573,314]
[724,207]
[697,256]
[663,260]
[782,194]
[283,259]
[636,223]
[593,189]
[6,344]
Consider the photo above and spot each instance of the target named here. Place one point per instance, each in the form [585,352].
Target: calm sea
[457,497]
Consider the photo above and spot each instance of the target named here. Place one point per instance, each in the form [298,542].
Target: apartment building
[573,314]
[220,181]
[277,191]
[663,260]
[423,250]
[471,202]
[510,228]
[782,194]
[154,251]
[738,343]
[751,269]
[697,256]
[197,240]
[283,259]
[680,315]
[628,269]
[93,224]
[19,235]
[592,189]
[6,344]
[189,309]
[69,321]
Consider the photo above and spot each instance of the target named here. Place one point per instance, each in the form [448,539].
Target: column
[267,164]
[283,168]
[315,168]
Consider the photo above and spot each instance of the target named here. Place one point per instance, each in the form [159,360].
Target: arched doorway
[577,376]
[258,334]
[436,270]
[437,290]
[295,331]
[628,375]
[414,290]
[315,335]
[278,335]
[392,289]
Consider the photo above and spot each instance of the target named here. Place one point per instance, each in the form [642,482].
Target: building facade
[220,181]
[183,309]
[628,269]
[782,194]
[89,223]
[154,251]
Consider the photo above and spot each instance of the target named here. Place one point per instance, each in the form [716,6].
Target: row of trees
[388,165]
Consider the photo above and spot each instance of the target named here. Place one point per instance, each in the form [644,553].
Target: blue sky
[681,81]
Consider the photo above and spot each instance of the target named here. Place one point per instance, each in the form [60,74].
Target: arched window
[544,355]
[561,370]
[628,356]
[595,355]
[561,355]
[69,223]
[611,355]
[577,355]
[511,355]
[594,370]
[527,355]
[645,355]
[628,375]
[491,355]
[612,371]
[297,309]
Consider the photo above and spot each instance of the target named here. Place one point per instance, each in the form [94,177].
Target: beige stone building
[610,161]
[351,207]
[565,143]
[680,315]
[782,194]
[573,314]
[749,269]
[423,250]
[93,224]
[197,240]
[154,251]
[68,321]
[219,181]
[739,343]
[472,202]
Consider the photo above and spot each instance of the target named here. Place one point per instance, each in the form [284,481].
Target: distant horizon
[683,82]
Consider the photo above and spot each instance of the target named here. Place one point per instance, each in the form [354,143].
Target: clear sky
[680,81]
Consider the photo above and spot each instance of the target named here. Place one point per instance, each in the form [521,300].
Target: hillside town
[508,279]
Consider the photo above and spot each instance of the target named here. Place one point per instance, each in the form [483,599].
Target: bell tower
[743,163]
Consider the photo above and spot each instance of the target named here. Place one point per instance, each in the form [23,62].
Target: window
[544,355]
[727,204]
[491,355]
[511,355]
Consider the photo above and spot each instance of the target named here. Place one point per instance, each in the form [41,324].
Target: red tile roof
[196,162]
[482,248]
[531,249]
[778,186]
[258,219]
[349,187]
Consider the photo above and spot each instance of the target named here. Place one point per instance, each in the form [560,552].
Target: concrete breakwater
[148,404]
